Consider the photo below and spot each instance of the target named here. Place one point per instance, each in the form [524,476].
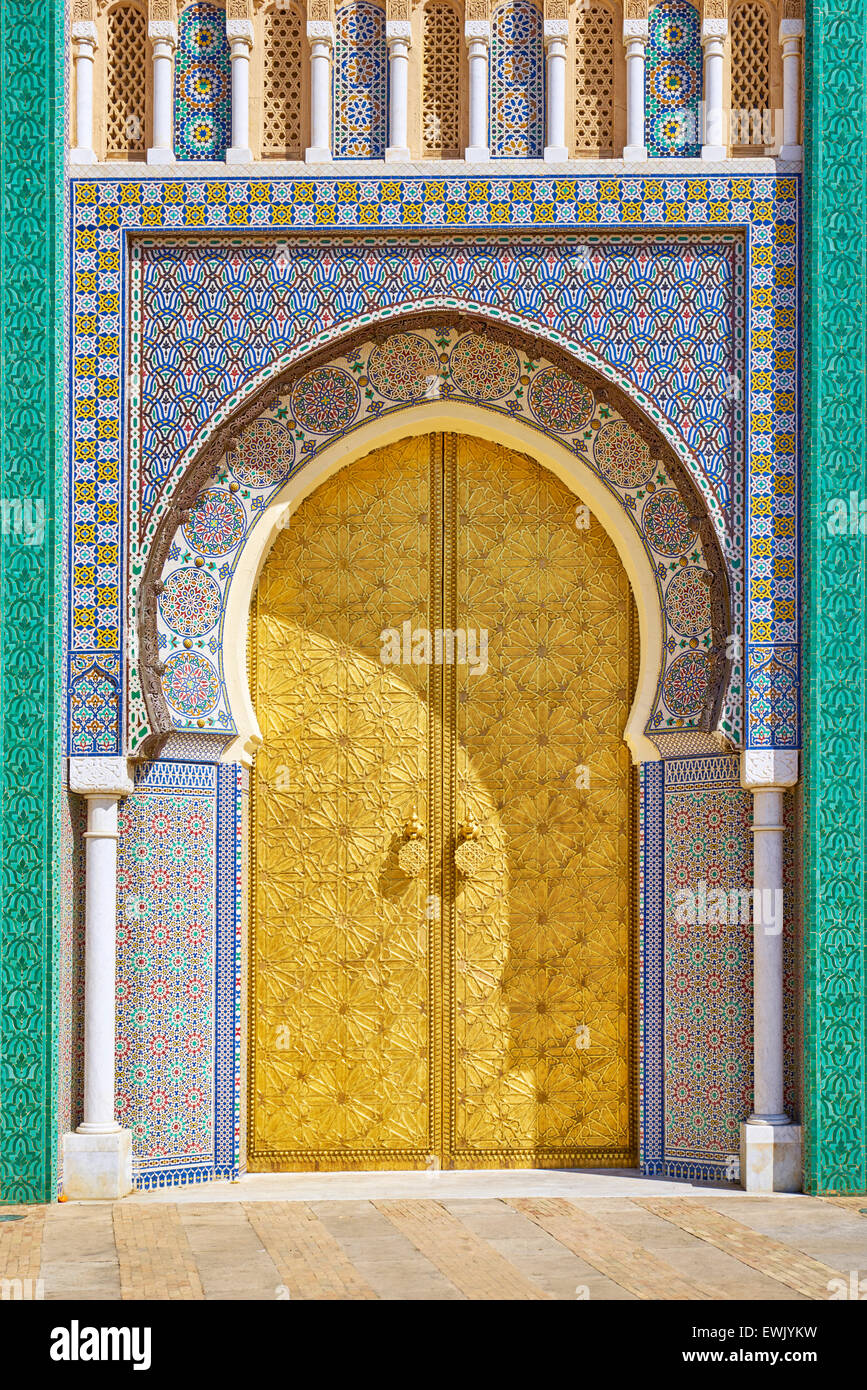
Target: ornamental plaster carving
[163,31]
[398,31]
[84,31]
[161,10]
[635,9]
[791,29]
[397,12]
[238,10]
[555,30]
[476,30]
[636,29]
[318,11]
[320,31]
[239,31]
[555,10]
[714,9]
[82,10]
[477,9]
[99,777]
[714,28]
[768,767]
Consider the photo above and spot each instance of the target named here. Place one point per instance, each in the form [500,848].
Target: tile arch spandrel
[451,378]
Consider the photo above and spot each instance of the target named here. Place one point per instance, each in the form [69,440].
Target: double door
[441,975]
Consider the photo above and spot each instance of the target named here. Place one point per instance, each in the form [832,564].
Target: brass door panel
[470,1021]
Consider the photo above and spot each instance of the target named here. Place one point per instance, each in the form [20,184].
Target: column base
[793,153]
[397,154]
[477,154]
[82,156]
[235,155]
[714,152]
[555,154]
[635,154]
[160,156]
[316,155]
[771,1157]
[97,1167]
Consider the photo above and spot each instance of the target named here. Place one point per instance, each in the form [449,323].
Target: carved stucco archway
[453,413]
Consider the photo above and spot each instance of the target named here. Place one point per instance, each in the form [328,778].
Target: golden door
[474,1008]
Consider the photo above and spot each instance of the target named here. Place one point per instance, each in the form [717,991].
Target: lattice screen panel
[127,67]
[594,81]
[752,120]
[282,104]
[440,82]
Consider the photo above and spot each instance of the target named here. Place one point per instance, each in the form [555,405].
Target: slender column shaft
[635,149]
[555,72]
[713,146]
[240,152]
[163,36]
[478,37]
[321,45]
[397,34]
[790,40]
[768,1104]
[99,965]
[84,37]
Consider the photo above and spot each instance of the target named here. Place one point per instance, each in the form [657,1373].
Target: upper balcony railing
[411,80]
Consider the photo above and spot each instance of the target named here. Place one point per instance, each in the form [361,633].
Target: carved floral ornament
[665,474]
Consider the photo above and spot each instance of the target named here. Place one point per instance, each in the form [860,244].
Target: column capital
[791,29]
[398,31]
[477,31]
[239,31]
[84,31]
[636,31]
[555,31]
[100,777]
[320,31]
[163,31]
[769,769]
[713,30]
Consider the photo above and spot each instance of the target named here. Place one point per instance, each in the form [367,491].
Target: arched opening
[443,658]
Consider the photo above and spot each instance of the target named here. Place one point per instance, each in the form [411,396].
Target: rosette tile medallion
[673,80]
[621,456]
[667,523]
[264,454]
[217,522]
[325,400]
[559,402]
[404,367]
[686,684]
[190,602]
[191,685]
[483,369]
[687,602]
[203,95]
[359,82]
[517,96]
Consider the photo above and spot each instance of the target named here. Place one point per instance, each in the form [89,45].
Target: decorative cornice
[99,777]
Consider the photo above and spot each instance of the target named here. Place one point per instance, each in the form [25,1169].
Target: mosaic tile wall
[360,281]
[696,978]
[203,84]
[375,381]
[673,81]
[517,82]
[360,82]
[178,971]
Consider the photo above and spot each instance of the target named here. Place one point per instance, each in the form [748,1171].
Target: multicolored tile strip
[178,972]
[105,212]
[673,81]
[517,85]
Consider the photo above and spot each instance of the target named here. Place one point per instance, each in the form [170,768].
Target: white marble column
[477,33]
[556,33]
[97,1158]
[163,34]
[84,39]
[398,35]
[791,36]
[320,36]
[239,32]
[635,36]
[713,37]
[771,1159]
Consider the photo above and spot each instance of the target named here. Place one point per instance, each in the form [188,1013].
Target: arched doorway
[442,631]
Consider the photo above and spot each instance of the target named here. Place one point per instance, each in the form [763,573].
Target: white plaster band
[239,29]
[84,31]
[320,31]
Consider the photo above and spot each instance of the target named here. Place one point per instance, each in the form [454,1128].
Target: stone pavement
[447,1236]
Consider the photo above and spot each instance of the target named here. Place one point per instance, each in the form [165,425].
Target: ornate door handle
[412,855]
[470,853]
